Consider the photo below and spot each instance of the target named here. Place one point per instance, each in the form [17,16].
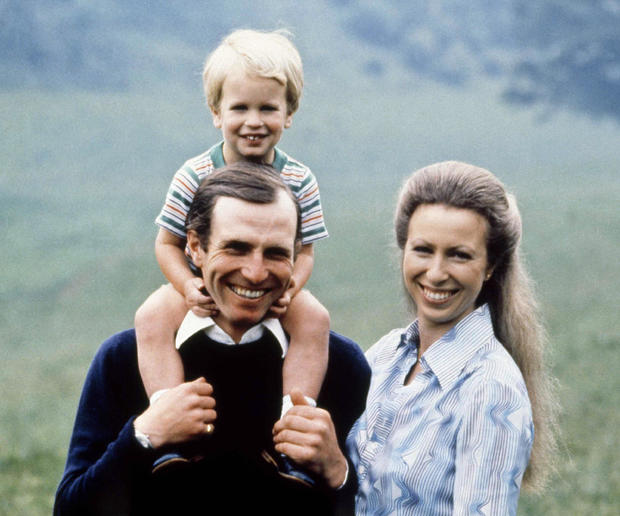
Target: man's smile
[247,293]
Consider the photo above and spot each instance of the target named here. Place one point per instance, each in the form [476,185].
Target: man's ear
[217,118]
[296,250]
[195,249]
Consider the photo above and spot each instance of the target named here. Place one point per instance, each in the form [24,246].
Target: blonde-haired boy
[253,82]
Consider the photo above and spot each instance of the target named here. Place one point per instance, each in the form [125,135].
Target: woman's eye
[422,249]
[462,256]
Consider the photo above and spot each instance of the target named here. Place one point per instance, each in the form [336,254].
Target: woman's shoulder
[493,370]
[385,347]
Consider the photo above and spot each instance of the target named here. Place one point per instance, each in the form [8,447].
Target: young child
[253,82]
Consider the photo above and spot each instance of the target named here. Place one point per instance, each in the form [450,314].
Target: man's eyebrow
[238,245]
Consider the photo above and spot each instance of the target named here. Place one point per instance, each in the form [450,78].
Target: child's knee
[310,310]
[160,310]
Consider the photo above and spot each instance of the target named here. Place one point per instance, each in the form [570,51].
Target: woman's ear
[489,272]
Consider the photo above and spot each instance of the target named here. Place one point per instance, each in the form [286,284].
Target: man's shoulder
[346,383]
[347,353]
[117,353]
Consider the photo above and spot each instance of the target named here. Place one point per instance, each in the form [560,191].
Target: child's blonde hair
[265,54]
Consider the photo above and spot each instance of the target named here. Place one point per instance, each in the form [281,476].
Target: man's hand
[181,414]
[306,435]
[196,299]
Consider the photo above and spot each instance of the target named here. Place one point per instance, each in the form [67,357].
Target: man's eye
[278,255]
[236,249]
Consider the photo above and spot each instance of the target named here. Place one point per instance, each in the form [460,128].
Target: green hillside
[84,167]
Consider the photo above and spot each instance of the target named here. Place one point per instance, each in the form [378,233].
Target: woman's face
[445,263]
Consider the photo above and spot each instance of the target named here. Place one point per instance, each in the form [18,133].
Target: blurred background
[101,102]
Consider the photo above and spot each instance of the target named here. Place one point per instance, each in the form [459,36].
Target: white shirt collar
[192,324]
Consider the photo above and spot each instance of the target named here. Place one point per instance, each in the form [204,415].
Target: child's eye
[269,108]
[238,107]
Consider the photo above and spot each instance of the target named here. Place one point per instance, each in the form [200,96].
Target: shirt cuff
[346,477]
[156,395]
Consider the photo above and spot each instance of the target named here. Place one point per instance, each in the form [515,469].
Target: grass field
[77,261]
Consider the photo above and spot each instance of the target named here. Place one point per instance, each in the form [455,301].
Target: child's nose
[253,119]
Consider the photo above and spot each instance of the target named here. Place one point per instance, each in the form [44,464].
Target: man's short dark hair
[250,182]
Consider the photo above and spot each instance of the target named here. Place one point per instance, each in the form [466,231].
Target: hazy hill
[549,51]
[101,101]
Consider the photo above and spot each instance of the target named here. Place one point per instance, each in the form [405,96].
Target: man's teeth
[437,296]
[245,292]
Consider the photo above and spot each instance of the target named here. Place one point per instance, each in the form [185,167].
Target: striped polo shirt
[297,176]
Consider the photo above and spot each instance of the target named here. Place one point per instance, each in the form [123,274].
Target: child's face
[252,115]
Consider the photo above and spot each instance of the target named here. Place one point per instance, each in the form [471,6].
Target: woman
[455,398]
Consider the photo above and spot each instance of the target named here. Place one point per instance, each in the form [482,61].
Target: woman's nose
[436,271]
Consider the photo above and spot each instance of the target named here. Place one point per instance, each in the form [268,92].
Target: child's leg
[157,322]
[307,323]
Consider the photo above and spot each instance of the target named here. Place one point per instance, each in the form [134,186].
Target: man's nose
[254,269]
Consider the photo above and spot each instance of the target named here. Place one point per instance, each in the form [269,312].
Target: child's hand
[198,300]
[279,308]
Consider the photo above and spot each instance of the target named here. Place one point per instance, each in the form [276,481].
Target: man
[243,232]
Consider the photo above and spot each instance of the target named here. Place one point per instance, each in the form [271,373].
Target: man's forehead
[235,219]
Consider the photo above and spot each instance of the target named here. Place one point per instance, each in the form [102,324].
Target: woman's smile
[436,296]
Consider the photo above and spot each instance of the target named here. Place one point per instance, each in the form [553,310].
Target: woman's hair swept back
[508,292]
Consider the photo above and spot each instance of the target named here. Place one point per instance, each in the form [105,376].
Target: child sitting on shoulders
[253,82]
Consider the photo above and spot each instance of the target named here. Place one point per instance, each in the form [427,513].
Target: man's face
[248,263]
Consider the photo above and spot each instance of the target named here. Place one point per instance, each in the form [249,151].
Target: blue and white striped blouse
[457,439]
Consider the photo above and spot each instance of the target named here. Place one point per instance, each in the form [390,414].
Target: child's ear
[288,121]
[217,118]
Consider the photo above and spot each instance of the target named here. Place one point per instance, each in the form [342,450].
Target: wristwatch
[142,438]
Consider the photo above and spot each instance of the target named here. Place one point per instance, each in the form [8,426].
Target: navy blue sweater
[108,472]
